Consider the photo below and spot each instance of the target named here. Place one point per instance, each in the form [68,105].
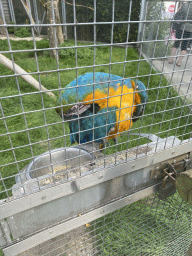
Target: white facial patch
[127,116]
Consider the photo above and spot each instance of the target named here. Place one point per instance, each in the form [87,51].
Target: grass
[146,228]
[160,115]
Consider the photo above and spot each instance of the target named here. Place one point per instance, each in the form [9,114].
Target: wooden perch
[28,78]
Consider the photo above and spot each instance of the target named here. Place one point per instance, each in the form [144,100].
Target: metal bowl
[56,161]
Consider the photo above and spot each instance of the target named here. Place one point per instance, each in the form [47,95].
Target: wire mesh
[35,141]
[147,227]
[41,132]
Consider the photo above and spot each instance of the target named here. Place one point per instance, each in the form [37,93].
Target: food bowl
[61,163]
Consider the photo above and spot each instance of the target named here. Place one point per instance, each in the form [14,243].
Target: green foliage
[104,14]
[22,32]
[161,49]
[156,31]
[82,53]
[11,29]
[42,44]
[121,13]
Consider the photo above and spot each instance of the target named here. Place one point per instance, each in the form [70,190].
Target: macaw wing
[142,92]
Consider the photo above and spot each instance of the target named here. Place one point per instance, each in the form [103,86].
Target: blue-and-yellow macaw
[100,106]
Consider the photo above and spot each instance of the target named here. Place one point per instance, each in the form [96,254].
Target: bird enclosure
[95,136]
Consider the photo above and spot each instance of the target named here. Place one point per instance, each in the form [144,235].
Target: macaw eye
[94,108]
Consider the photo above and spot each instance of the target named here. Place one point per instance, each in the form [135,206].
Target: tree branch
[28,13]
[45,3]
[80,5]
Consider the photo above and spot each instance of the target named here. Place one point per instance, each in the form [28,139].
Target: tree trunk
[59,31]
[54,41]
[2,29]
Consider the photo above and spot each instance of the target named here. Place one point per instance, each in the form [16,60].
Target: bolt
[43,197]
[100,176]
[173,152]
[133,165]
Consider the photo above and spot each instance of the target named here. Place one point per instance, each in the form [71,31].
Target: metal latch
[167,173]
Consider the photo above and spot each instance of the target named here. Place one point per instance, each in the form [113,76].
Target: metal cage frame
[111,181]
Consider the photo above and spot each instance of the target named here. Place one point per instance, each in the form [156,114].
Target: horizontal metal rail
[9,208]
[69,225]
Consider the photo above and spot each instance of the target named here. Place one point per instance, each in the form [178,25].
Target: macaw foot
[115,140]
[112,134]
[103,144]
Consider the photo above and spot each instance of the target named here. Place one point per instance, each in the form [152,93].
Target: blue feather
[83,86]
[103,122]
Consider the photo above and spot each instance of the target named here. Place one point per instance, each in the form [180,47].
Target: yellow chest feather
[124,99]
